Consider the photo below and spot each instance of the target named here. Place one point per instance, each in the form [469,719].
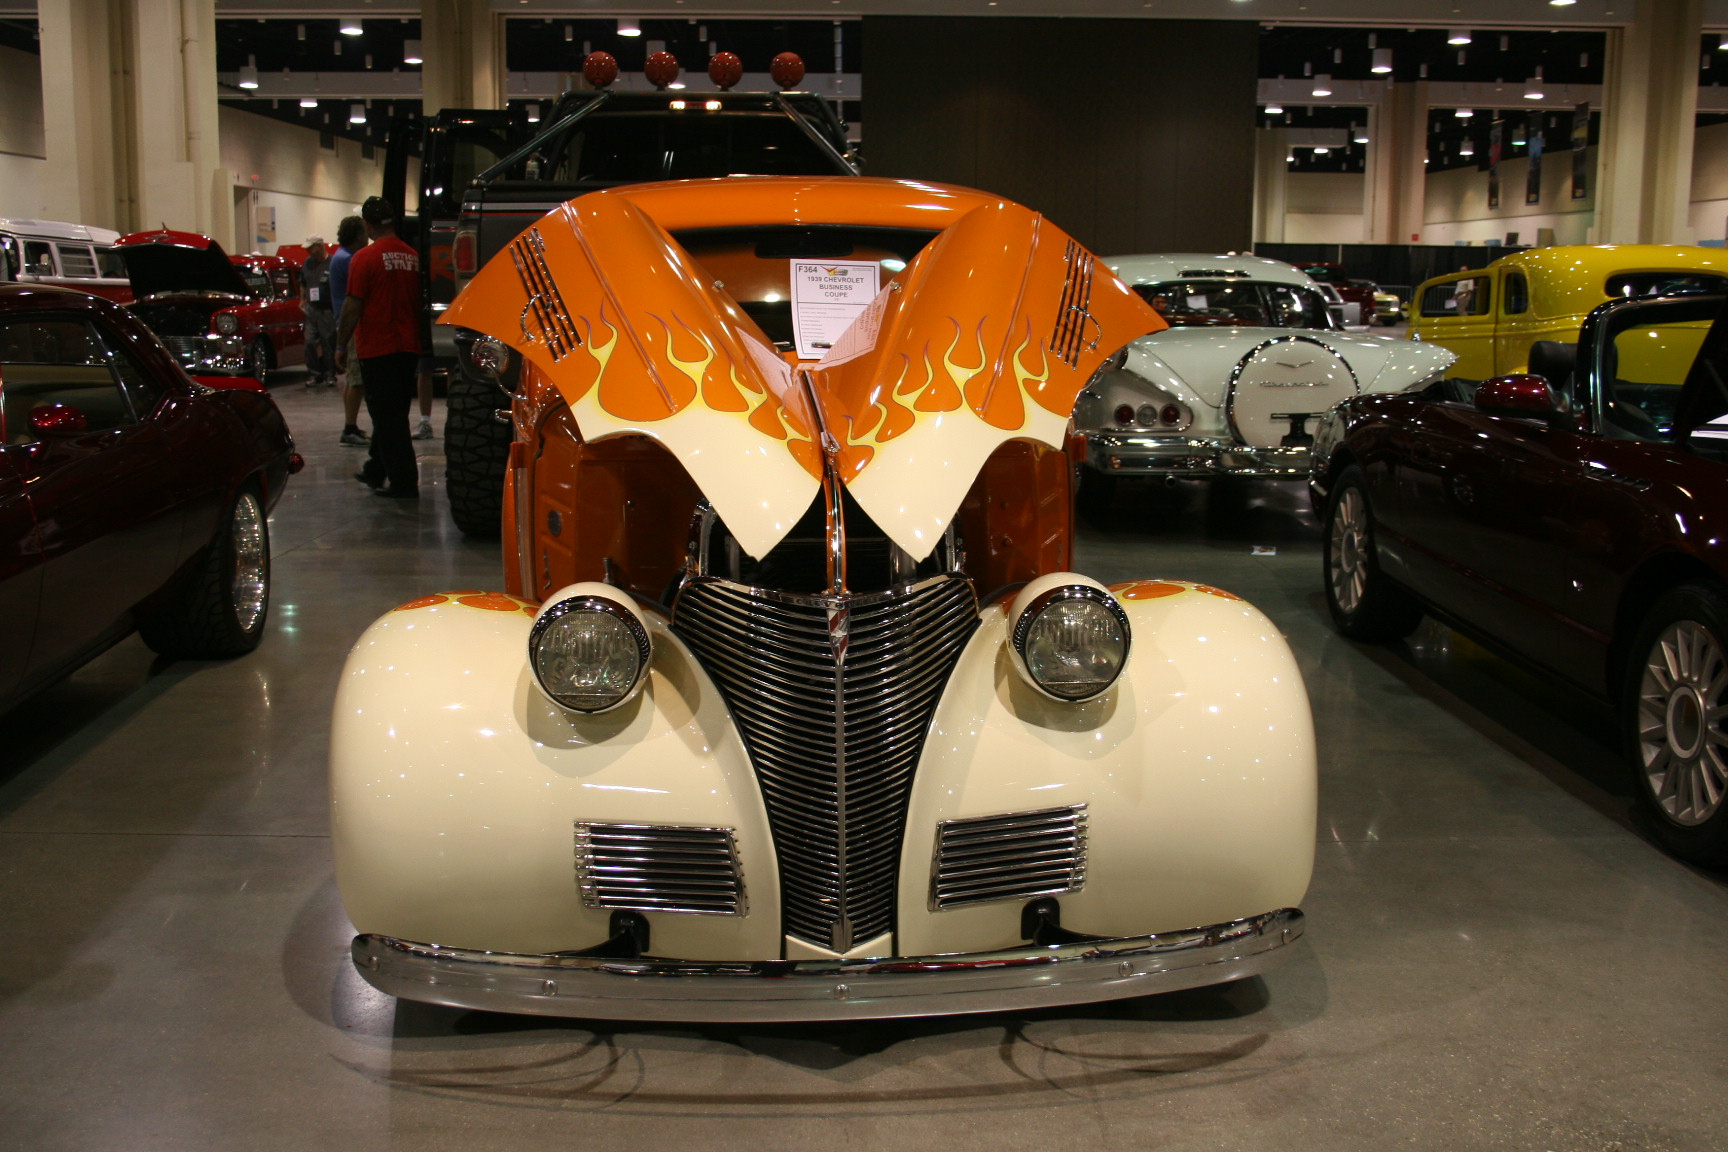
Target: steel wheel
[1681,743]
[1349,540]
[250,583]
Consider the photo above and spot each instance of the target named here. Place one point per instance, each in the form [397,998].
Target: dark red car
[219,315]
[1352,291]
[1574,519]
[131,496]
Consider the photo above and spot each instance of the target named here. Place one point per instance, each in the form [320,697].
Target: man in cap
[320,315]
[381,311]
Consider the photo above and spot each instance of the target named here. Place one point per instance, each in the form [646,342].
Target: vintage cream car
[793,705]
[1491,317]
[1237,383]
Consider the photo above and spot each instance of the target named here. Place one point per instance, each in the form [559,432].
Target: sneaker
[354,438]
[424,432]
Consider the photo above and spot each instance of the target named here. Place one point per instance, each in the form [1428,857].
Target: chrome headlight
[588,652]
[1071,640]
[227,323]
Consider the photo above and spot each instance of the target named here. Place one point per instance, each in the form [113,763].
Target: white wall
[1709,217]
[282,167]
[1324,208]
[21,141]
[1457,204]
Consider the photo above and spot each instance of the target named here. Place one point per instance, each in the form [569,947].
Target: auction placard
[827,296]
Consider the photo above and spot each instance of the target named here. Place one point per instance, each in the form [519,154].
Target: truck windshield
[683,144]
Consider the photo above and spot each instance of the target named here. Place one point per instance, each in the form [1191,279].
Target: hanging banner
[1496,133]
[1580,142]
[1533,181]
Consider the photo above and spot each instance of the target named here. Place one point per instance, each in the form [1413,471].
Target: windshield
[1644,366]
[1211,303]
[683,144]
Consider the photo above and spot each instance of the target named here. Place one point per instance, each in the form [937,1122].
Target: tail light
[1171,414]
[1124,414]
[465,248]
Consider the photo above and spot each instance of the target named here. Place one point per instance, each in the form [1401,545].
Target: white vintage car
[791,705]
[1237,383]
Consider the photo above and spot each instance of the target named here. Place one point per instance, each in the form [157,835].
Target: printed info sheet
[827,295]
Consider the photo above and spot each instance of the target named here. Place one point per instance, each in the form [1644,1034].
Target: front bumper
[786,990]
[1136,454]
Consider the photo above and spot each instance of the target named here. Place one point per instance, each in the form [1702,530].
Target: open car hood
[988,335]
[169,261]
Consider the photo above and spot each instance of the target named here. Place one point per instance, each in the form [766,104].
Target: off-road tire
[476,452]
[219,607]
[1676,676]
[1365,604]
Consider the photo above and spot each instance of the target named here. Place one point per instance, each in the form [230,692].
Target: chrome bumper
[785,990]
[1132,454]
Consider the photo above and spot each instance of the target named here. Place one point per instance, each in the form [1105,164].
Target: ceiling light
[308,102]
[628,27]
[411,52]
[1562,3]
[1519,138]
[1274,109]
[1360,135]
[534,113]
[1321,150]
[299,31]
[1322,84]
[249,73]
[1466,149]
[356,113]
[1458,36]
[1533,89]
[1464,113]
[1382,61]
[350,26]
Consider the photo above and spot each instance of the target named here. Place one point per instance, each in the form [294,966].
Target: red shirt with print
[386,274]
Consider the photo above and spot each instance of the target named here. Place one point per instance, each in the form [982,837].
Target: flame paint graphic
[601,353]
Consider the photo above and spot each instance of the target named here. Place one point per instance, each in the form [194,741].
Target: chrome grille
[1009,857]
[186,349]
[659,868]
[833,696]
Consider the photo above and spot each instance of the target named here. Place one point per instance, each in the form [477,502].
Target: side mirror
[48,421]
[1524,396]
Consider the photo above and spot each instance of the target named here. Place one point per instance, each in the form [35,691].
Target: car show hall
[976,574]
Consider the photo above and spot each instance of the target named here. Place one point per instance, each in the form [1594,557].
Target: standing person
[381,311]
[350,238]
[320,315]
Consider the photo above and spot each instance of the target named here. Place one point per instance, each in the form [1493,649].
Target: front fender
[1197,769]
[455,786]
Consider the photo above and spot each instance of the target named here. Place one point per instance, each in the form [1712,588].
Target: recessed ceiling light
[1382,61]
[350,26]
[628,27]
[411,52]
[1458,36]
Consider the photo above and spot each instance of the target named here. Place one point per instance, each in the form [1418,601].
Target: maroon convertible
[131,496]
[1574,519]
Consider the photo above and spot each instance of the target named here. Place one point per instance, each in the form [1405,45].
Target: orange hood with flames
[987,335]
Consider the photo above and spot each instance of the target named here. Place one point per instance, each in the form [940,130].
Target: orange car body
[646,384]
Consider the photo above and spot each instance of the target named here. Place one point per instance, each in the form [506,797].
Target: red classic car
[131,496]
[219,315]
[1574,519]
[1358,300]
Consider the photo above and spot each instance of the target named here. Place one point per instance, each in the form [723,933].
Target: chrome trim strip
[751,992]
[642,879]
[1047,856]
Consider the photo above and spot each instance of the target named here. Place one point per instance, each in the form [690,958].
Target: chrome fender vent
[659,868]
[1011,857]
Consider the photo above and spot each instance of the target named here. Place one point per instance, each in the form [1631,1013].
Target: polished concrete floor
[1496,957]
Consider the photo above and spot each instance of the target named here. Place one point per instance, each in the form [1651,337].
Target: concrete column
[1271,182]
[462,42]
[86,95]
[1649,102]
[129,110]
[1395,198]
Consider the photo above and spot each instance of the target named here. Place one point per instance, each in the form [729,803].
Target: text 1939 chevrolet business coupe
[793,707]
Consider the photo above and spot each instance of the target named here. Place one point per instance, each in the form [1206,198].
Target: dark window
[1628,284]
[1516,300]
[1471,297]
[76,260]
[110,264]
[1221,303]
[143,391]
[38,260]
[49,361]
[624,147]
[256,281]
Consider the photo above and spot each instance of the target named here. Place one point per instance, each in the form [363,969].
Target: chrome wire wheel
[1349,551]
[249,583]
[1682,748]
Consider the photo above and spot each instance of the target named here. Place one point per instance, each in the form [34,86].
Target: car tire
[476,452]
[1677,676]
[1365,604]
[218,608]
[258,359]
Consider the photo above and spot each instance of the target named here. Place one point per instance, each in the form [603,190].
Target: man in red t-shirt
[381,311]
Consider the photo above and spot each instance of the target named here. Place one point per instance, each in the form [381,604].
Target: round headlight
[489,356]
[588,653]
[1073,641]
[227,323]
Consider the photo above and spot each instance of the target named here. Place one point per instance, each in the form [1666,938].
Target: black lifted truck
[589,141]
